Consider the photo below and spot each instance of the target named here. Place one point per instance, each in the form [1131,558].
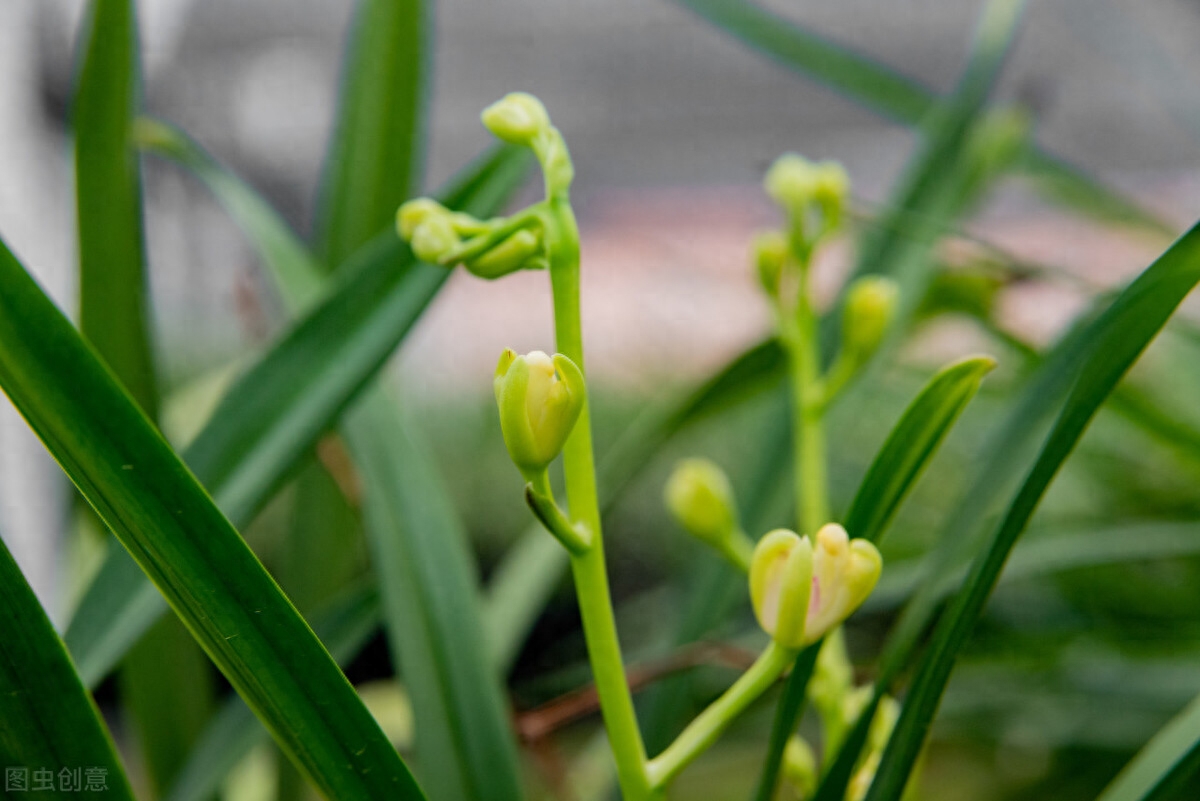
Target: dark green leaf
[1113,343]
[47,718]
[158,510]
[278,409]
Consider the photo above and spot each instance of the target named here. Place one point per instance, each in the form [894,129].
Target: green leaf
[374,158]
[881,89]
[787,712]
[464,741]
[112,282]
[47,718]
[158,510]
[1114,342]
[1166,767]
[345,626]
[430,592]
[277,410]
[911,445]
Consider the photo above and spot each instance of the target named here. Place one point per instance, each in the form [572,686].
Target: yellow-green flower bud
[844,573]
[517,118]
[433,238]
[781,580]
[792,181]
[540,399]
[699,496]
[799,766]
[511,255]
[832,184]
[414,212]
[870,304]
[770,255]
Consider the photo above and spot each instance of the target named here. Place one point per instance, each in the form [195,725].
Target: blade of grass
[1114,342]
[165,685]
[882,89]
[911,445]
[345,626]
[47,718]
[276,411]
[1166,766]
[421,553]
[158,510]
[375,155]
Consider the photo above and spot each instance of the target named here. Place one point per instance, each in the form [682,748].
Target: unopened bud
[540,399]
[433,238]
[517,118]
[770,255]
[700,498]
[800,765]
[414,212]
[844,573]
[781,581]
[513,254]
[792,181]
[870,304]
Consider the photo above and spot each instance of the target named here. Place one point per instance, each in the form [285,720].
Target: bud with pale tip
[540,399]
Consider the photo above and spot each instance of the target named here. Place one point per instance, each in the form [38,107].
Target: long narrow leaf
[882,89]
[47,719]
[158,510]
[1115,341]
[1166,766]
[912,444]
[375,155]
[277,410]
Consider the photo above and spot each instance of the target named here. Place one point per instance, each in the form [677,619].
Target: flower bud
[799,766]
[434,237]
[509,256]
[414,212]
[844,573]
[832,184]
[700,498]
[781,580]
[540,399]
[870,304]
[792,181]
[517,118]
[770,255]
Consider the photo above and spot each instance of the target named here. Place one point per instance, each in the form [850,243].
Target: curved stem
[588,569]
[712,722]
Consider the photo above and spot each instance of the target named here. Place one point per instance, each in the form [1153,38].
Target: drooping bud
[517,118]
[513,254]
[540,399]
[844,573]
[770,255]
[792,182]
[433,238]
[414,212]
[781,580]
[799,766]
[870,305]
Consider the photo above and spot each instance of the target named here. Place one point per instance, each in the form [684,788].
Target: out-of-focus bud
[540,399]
[699,496]
[800,766]
[781,581]
[513,254]
[844,573]
[434,237]
[832,184]
[770,255]
[414,212]
[870,304]
[517,118]
[792,181]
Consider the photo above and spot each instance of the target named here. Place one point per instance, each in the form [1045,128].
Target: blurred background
[672,123]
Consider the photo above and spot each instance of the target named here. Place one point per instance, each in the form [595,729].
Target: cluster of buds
[487,248]
[813,194]
[800,591]
[699,496]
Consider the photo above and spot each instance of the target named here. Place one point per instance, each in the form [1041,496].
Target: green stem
[712,722]
[588,569]
[812,495]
